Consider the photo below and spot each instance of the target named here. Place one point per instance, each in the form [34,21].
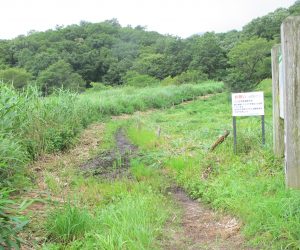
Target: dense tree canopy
[250,63]
[15,76]
[59,74]
[105,52]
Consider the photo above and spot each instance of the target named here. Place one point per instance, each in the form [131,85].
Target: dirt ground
[202,228]
[114,163]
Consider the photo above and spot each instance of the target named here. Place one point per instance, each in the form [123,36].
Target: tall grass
[68,223]
[132,223]
[31,125]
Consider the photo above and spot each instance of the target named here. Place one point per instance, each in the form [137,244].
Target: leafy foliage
[10,223]
[57,75]
[209,57]
[267,27]
[105,52]
[17,77]
[250,64]
[191,76]
[136,79]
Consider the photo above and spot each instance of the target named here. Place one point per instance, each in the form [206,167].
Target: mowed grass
[249,185]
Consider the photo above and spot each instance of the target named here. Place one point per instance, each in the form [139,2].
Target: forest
[77,56]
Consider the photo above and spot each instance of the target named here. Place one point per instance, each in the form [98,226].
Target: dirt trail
[199,227]
[113,163]
[202,228]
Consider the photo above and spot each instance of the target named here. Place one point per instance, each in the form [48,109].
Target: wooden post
[278,123]
[290,38]
[234,135]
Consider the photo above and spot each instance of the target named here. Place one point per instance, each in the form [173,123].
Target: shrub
[16,76]
[191,76]
[168,81]
[98,86]
[136,79]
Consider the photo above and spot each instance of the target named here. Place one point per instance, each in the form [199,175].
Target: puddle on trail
[114,163]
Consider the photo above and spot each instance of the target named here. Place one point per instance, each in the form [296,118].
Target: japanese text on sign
[248,104]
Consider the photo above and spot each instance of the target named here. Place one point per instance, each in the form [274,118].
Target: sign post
[248,104]
[234,134]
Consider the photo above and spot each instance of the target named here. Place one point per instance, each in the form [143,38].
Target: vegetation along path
[106,169]
[150,181]
[199,227]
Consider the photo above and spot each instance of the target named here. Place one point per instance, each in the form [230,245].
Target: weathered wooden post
[278,123]
[290,40]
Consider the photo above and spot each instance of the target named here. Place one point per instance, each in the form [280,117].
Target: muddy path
[202,228]
[114,163]
[198,227]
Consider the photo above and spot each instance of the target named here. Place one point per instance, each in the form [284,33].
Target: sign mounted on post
[248,104]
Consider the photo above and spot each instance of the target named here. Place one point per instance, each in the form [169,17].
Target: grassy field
[249,185]
[85,211]
[32,126]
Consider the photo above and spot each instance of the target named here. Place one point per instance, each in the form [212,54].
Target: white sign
[248,104]
[281,88]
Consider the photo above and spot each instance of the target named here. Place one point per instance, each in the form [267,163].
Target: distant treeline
[77,55]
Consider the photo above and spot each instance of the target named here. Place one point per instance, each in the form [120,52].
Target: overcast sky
[177,17]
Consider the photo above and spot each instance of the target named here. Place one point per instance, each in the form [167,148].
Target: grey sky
[177,17]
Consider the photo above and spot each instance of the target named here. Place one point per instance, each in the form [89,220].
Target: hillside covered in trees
[78,55]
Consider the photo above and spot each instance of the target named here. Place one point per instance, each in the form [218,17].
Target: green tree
[18,77]
[208,56]
[229,39]
[151,64]
[295,8]
[267,27]
[250,63]
[60,74]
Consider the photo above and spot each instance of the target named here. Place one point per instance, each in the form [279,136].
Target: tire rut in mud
[114,163]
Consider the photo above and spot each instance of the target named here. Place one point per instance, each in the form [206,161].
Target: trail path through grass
[195,226]
[202,228]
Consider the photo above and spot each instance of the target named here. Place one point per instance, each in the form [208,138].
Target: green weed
[68,223]
[31,125]
[143,138]
[140,171]
[132,223]
[11,223]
